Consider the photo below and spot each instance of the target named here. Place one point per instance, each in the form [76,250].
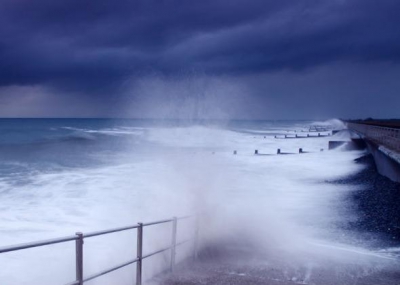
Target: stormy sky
[237,59]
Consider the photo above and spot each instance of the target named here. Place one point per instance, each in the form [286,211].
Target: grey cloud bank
[255,59]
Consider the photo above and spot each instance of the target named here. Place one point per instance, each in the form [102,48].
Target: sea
[62,176]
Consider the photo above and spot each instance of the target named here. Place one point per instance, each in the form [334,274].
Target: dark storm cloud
[96,45]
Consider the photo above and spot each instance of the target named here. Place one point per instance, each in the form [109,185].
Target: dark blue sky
[200,59]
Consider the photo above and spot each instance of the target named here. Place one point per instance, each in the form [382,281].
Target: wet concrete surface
[238,266]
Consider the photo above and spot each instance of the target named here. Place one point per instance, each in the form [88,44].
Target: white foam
[189,169]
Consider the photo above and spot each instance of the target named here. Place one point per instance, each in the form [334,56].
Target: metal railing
[79,241]
[388,137]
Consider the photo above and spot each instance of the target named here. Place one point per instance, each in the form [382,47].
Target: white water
[281,202]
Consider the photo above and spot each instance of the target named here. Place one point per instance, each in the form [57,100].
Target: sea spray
[141,171]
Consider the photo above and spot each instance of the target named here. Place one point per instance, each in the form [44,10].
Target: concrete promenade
[236,265]
[383,143]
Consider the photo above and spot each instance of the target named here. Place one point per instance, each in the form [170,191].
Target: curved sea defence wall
[384,145]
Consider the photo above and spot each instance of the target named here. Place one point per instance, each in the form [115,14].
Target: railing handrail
[39,243]
[79,237]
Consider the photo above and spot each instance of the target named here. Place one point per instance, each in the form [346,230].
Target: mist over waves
[63,176]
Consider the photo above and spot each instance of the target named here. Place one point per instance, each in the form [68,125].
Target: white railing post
[173,243]
[196,237]
[139,254]
[79,258]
